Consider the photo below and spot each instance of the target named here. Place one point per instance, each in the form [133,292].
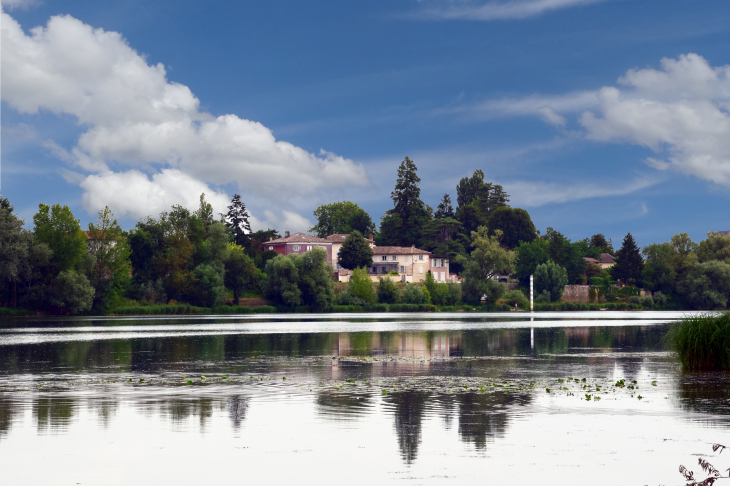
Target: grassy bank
[702,342]
[7,312]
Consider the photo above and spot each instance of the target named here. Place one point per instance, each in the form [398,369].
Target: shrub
[412,294]
[346,298]
[387,291]
[544,297]
[702,341]
[647,302]
[515,297]
[361,286]
[635,299]
[659,298]
[72,292]
[551,277]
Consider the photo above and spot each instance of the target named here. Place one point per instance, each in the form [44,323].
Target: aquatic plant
[702,341]
[708,468]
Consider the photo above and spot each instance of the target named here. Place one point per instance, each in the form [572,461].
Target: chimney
[371,236]
[413,246]
[286,234]
[271,238]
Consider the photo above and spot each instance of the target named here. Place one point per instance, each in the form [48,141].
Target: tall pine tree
[404,224]
[629,264]
[237,220]
[444,209]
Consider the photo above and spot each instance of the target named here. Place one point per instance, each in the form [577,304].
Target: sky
[596,116]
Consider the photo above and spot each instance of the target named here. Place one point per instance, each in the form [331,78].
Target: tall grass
[6,311]
[702,341]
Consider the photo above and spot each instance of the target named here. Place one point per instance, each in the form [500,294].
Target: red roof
[297,238]
[606,258]
[590,260]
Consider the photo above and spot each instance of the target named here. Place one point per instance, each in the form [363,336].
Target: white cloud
[513,9]
[21,4]
[546,107]
[287,221]
[136,117]
[533,194]
[680,112]
[133,193]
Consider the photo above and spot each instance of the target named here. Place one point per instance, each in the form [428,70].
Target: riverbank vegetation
[191,258]
[702,342]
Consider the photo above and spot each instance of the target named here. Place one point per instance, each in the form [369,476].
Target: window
[394,258]
[271,248]
[296,248]
[375,270]
[402,269]
[420,269]
[309,247]
[405,258]
[420,257]
[384,258]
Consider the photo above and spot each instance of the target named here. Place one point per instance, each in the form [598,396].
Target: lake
[435,398]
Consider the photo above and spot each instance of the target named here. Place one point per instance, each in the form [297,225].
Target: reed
[702,341]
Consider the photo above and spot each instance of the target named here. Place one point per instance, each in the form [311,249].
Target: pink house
[298,243]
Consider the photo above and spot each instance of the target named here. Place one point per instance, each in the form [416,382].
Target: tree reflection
[342,406]
[483,417]
[53,413]
[8,411]
[409,408]
[705,392]
[237,408]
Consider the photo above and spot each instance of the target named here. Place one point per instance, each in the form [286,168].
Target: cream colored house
[410,263]
[342,274]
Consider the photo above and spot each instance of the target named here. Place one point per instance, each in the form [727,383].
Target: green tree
[468,189]
[342,218]
[567,254]
[361,286]
[403,225]
[205,211]
[355,252]
[444,237]
[552,278]
[515,224]
[282,280]
[315,278]
[707,285]
[529,256]
[470,217]
[241,272]
[629,263]
[216,245]
[56,227]
[109,253]
[488,259]
[413,294]
[209,287]
[15,242]
[72,292]
[715,247]
[600,244]
[237,220]
[659,274]
[387,291]
[684,254]
[444,209]
[430,283]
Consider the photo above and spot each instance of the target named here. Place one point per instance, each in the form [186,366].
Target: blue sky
[596,116]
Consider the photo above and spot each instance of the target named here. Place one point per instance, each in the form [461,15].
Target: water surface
[426,398]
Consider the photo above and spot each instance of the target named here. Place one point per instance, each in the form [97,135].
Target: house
[93,244]
[298,243]
[342,274]
[605,261]
[440,269]
[724,233]
[410,263]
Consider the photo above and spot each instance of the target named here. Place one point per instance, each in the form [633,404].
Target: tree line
[192,256]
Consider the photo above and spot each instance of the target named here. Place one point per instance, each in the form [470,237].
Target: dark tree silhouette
[237,220]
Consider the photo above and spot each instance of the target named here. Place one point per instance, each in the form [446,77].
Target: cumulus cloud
[680,112]
[513,9]
[135,117]
[534,194]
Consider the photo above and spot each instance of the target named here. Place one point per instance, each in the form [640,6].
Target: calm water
[406,399]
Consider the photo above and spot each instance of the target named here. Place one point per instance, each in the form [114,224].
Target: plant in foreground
[708,468]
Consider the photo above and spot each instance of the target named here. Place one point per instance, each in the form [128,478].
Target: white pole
[531,301]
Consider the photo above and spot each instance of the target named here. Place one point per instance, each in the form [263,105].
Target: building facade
[298,243]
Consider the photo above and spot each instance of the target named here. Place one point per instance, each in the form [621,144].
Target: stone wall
[576,293]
